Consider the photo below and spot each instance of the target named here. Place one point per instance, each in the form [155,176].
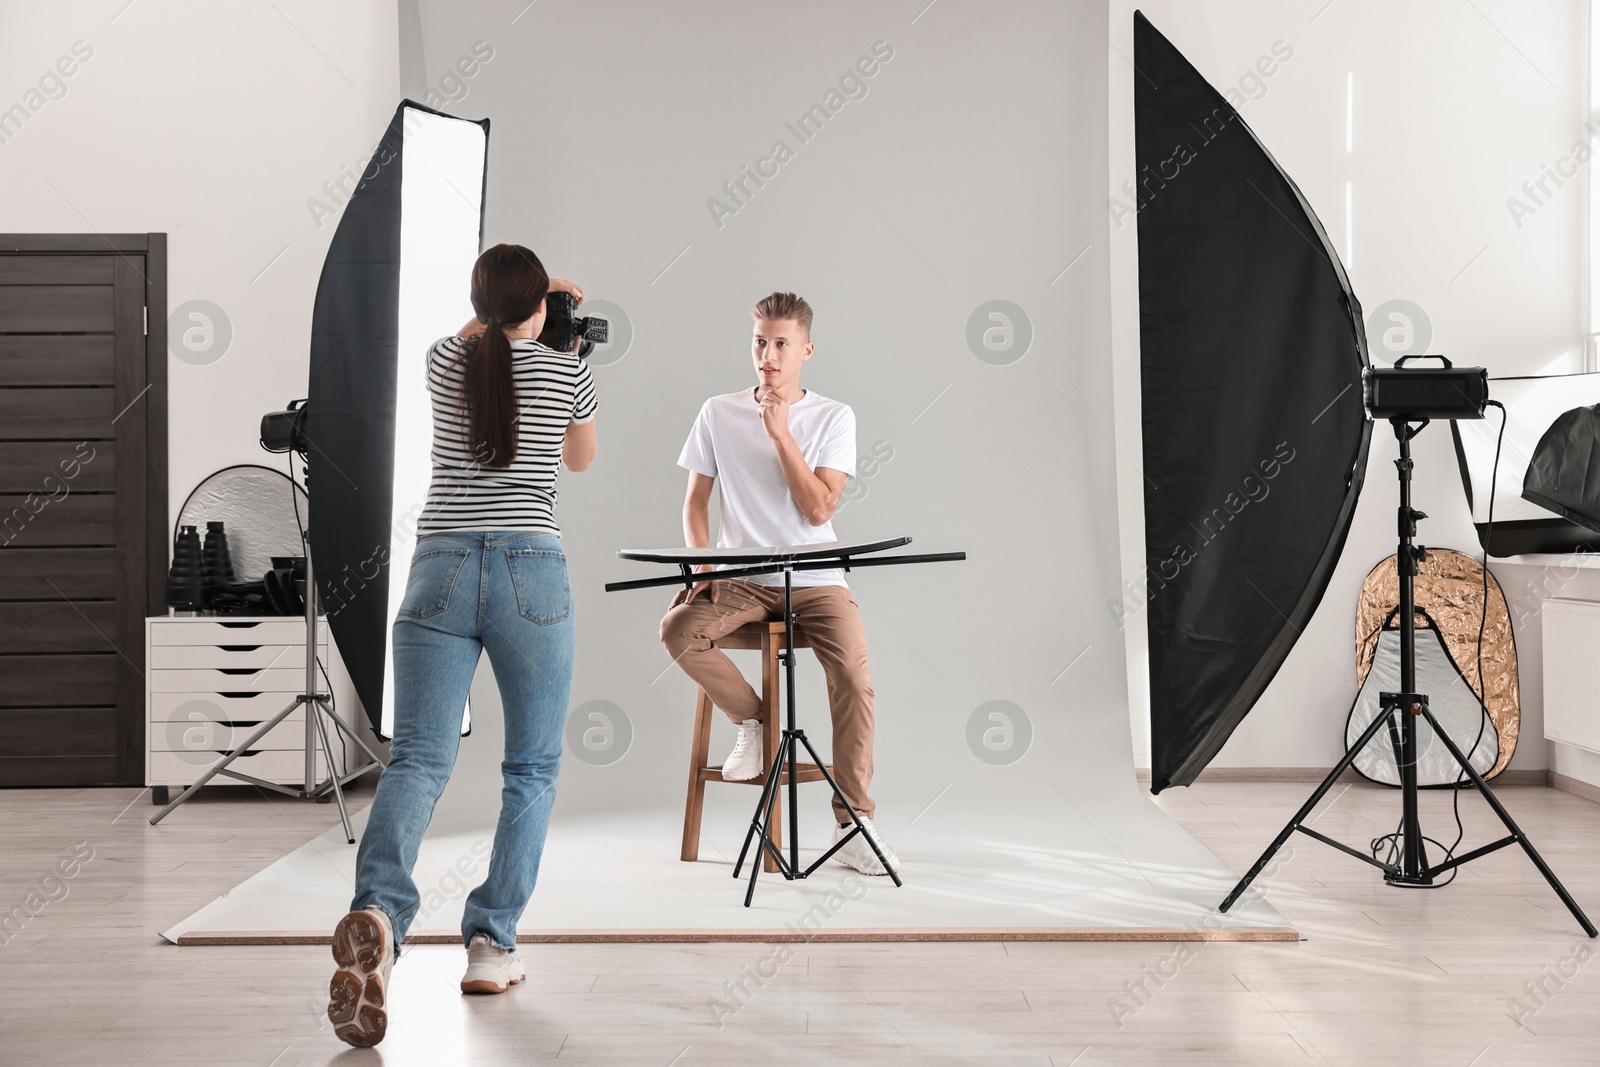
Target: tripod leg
[794,785]
[1396,742]
[860,829]
[316,709]
[222,764]
[763,805]
[1516,831]
[340,725]
[1305,809]
[758,833]
[1413,852]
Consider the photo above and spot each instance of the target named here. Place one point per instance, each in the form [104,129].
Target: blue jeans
[504,593]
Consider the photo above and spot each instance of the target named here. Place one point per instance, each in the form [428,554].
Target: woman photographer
[488,575]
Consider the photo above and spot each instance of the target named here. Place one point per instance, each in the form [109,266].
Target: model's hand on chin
[774,412]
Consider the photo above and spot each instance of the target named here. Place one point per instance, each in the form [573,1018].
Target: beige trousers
[830,618]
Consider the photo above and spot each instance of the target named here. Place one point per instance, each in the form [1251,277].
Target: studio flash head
[564,327]
[1417,393]
[285,430]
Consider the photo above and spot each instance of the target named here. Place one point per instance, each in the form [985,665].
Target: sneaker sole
[485,985]
[356,997]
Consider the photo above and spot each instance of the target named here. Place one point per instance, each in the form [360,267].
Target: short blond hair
[775,307]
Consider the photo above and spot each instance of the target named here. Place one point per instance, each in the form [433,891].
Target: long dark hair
[508,286]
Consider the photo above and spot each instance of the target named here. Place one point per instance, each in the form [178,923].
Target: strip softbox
[395,278]
[1255,437]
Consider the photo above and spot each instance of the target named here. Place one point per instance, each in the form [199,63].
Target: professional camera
[564,327]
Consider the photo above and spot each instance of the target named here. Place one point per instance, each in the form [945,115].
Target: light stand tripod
[787,759]
[1400,711]
[785,762]
[317,705]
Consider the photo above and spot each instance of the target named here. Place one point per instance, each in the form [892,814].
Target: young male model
[779,456]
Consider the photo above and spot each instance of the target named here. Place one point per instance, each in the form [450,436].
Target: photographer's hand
[561,285]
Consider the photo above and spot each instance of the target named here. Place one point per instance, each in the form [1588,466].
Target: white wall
[214,123]
[1454,106]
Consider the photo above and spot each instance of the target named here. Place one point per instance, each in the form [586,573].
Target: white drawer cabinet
[1572,672]
[242,706]
[237,681]
[236,658]
[211,683]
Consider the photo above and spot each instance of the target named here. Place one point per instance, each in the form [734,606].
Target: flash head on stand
[283,431]
[564,327]
[1417,393]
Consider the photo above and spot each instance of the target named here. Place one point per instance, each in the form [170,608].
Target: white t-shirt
[728,443]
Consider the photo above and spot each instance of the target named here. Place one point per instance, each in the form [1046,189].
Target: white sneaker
[490,969]
[744,762]
[858,854]
[358,995]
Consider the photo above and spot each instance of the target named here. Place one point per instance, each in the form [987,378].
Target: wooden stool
[767,637]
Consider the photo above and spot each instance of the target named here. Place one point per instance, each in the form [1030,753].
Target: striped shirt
[554,389]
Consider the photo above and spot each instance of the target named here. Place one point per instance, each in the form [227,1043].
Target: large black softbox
[395,278]
[1564,474]
[1255,434]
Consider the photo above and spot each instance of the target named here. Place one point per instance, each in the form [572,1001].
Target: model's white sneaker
[358,995]
[858,854]
[490,969]
[744,762]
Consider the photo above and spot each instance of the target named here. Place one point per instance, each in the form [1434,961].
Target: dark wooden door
[83,465]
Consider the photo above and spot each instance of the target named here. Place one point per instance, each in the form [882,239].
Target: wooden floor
[1386,976]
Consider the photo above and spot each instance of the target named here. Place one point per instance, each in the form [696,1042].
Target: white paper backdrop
[944,212]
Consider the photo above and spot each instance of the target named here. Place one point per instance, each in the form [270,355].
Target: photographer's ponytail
[508,285]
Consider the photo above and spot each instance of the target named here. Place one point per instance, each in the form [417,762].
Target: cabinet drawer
[199,680]
[175,768]
[169,657]
[173,631]
[201,740]
[245,706]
